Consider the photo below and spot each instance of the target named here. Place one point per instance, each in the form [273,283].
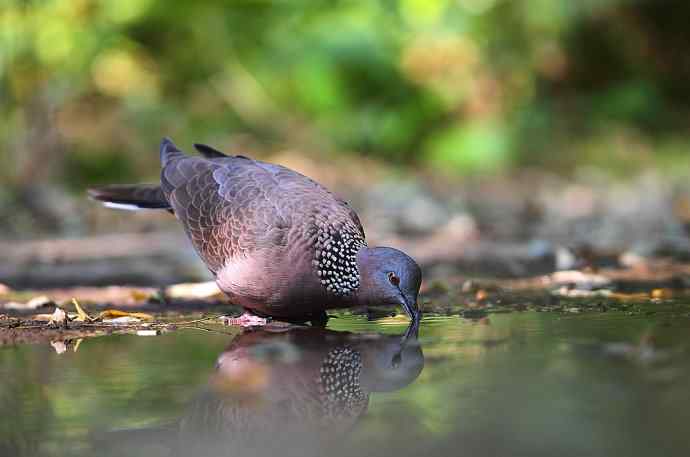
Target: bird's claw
[245,320]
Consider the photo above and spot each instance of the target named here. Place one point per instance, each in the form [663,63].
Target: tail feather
[131,196]
[208,151]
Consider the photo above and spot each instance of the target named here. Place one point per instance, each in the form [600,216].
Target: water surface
[521,383]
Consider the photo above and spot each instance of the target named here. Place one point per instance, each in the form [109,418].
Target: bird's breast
[275,282]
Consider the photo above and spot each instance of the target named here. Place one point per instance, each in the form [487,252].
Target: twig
[101,325]
[191,322]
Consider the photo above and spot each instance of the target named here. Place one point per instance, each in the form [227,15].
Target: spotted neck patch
[335,259]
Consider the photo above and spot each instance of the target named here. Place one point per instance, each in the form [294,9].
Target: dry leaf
[139,295]
[116,313]
[124,320]
[624,296]
[82,316]
[662,293]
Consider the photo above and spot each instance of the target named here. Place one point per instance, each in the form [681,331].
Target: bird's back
[258,226]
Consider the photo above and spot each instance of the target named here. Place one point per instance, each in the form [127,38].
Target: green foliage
[470,85]
[475,147]
[84,169]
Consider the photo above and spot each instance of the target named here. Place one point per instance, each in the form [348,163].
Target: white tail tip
[121,206]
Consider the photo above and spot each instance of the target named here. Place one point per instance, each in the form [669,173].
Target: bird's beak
[411,309]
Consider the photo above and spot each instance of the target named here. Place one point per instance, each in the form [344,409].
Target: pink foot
[245,320]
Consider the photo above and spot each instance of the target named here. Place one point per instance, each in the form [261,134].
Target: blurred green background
[89,87]
[464,87]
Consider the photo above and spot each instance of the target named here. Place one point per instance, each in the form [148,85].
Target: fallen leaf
[624,296]
[661,293]
[139,295]
[124,320]
[82,316]
[116,313]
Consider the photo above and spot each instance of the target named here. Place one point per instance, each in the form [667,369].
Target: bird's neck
[363,294]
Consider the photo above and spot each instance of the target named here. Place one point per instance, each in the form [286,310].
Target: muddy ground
[25,316]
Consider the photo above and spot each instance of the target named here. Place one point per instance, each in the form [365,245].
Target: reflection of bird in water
[294,392]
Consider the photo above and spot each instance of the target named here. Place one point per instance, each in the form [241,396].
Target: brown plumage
[277,242]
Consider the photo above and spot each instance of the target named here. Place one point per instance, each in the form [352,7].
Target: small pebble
[58,318]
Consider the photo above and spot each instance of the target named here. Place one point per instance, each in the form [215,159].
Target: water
[530,383]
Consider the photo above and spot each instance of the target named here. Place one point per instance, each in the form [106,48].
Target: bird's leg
[250,319]
[247,319]
[319,319]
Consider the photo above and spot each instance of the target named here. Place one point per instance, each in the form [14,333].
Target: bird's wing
[339,211]
[233,206]
[223,207]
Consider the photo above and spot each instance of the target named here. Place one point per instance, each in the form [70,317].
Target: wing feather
[234,206]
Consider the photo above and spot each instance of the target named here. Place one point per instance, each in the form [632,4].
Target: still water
[529,383]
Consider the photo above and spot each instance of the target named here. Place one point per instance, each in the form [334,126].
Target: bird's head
[389,277]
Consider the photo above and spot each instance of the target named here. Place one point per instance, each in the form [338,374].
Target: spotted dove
[277,242]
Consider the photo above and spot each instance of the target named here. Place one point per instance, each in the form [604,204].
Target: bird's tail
[131,196]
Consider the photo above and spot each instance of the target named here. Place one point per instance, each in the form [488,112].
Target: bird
[277,243]
[297,392]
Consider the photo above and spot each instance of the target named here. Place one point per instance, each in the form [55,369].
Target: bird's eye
[393,278]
